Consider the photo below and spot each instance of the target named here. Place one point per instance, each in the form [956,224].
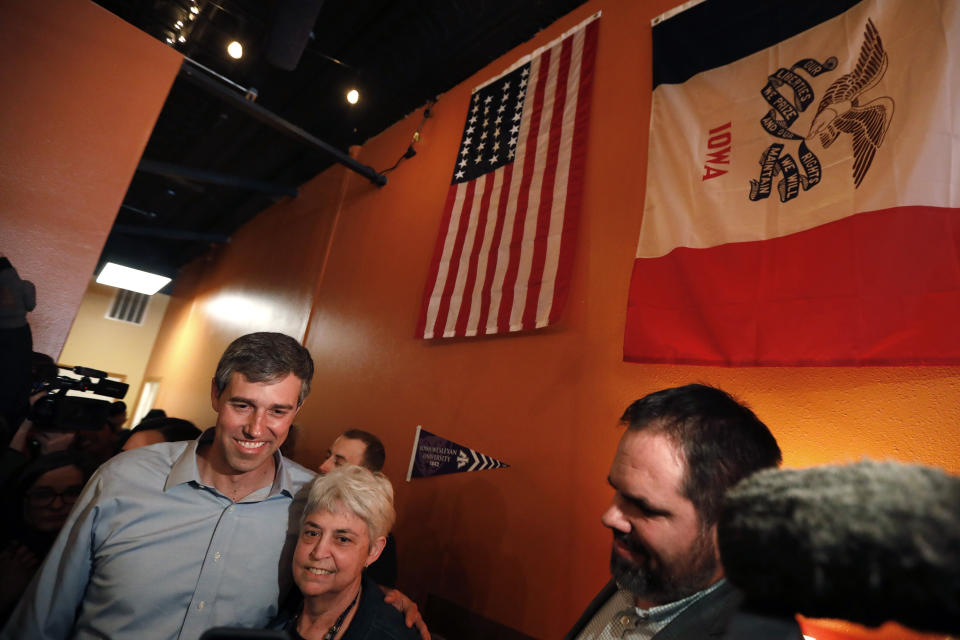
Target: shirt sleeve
[49,606]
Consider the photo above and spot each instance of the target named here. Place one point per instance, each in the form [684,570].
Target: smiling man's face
[253,419]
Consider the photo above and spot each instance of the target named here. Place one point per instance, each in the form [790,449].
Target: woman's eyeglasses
[45,496]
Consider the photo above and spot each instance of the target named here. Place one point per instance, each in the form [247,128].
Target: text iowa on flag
[802,187]
[504,254]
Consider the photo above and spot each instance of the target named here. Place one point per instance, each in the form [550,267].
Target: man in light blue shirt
[172,539]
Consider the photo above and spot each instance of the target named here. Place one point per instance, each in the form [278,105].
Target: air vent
[129,306]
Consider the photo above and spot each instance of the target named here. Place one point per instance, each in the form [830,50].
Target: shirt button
[230,509]
[624,620]
[201,605]
[216,556]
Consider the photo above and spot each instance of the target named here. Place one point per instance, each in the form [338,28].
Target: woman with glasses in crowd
[38,501]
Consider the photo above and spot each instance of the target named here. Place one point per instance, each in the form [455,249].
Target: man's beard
[658,582]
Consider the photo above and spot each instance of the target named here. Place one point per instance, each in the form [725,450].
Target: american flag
[504,255]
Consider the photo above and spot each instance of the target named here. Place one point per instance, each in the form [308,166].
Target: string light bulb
[235,49]
[353,96]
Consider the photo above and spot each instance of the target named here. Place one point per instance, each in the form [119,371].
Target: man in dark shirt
[683,448]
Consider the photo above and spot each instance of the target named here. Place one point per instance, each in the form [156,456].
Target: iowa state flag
[504,254]
[803,186]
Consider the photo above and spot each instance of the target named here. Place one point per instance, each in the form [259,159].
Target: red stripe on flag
[495,243]
[435,261]
[441,321]
[546,189]
[461,325]
[523,197]
[877,288]
[578,156]
[494,271]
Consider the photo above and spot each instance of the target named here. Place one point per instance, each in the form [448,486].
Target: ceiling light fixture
[353,96]
[235,49]
[116,275]
[182,39]
[194,10]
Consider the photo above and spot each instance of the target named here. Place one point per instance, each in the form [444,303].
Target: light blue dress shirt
[150,551]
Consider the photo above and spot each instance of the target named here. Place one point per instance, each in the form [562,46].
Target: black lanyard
[332,631]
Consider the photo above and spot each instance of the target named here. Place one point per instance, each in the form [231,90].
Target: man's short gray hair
[353,489]
[265,357]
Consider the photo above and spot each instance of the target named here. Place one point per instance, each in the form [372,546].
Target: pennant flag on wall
[504,254]
[803,191]
[434,456]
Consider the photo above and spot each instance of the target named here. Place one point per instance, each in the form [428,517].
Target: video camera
[57,411]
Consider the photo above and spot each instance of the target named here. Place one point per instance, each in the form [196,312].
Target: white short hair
[366,494]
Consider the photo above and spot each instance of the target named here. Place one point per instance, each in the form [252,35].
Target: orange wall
[523,546]
[263,280]
[82,91]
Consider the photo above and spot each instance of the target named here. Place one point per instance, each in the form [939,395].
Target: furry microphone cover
[867,542]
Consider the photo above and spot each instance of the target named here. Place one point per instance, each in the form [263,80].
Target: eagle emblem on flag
[838,112]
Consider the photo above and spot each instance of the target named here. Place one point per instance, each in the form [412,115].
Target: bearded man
[683,448]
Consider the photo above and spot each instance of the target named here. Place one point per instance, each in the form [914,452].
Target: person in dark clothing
[348,513]
[117,415]
[156,430]
[40,498]
[17,297]
[682,449]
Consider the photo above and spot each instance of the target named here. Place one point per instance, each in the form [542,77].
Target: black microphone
[867,542]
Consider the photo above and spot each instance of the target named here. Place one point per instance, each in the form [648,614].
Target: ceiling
[211,164]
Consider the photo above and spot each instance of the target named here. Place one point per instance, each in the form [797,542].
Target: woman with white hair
[347,517]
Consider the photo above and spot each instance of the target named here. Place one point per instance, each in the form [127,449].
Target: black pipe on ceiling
[170,170]
[170,234]
[196,74]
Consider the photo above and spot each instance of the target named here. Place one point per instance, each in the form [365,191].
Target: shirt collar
[185,469]
[671,609]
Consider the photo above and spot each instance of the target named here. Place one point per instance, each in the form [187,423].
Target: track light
[116,275]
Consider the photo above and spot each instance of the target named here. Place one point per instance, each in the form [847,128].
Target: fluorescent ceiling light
[122,277]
